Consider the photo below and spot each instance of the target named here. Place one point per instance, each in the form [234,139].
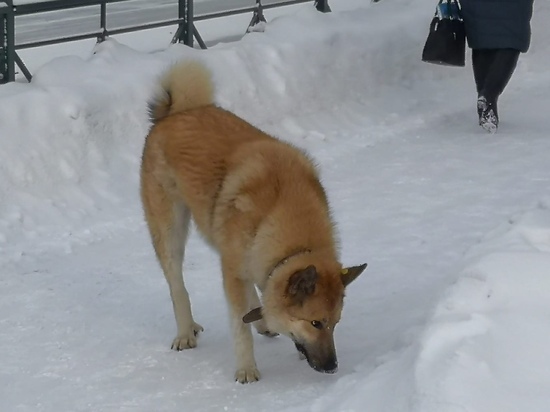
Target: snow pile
[71,141]
[489,337]
[70,146]
[484,348]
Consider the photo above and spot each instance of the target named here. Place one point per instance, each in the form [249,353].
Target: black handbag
[446,42]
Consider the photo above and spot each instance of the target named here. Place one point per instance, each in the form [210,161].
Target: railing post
[201,42]
[23,68]
[7,43]
[3,46]
[185,31]
[257,18]
[322,5]
[103,22]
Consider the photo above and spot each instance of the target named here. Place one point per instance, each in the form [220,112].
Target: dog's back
[218,164]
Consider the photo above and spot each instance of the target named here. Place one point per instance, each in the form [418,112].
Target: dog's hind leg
[260,325]
[238,294]
[168,222]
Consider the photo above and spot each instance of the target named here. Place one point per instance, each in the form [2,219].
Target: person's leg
[499,74]
[482,59]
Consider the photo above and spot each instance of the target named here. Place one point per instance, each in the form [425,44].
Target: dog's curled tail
[186,85]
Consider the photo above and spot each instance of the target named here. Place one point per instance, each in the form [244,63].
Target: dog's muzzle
[330,365]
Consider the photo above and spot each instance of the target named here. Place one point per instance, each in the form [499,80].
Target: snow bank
[70,145]
[485,345]
[490,335]
[71,141]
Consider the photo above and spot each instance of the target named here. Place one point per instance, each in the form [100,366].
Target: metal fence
[186,32]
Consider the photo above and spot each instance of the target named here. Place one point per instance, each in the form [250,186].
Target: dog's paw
[262,329]
[247,375]
[187,340]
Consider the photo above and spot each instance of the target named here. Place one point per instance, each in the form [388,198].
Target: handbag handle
[448,9]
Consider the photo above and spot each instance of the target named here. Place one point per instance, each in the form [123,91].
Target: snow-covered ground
[452,313]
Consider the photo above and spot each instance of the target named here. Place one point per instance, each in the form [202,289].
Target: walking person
[497,32]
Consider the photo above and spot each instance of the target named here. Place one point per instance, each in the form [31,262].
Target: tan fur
[259,203]
[196,91]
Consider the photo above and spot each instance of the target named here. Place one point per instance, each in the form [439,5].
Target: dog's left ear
[302,283]
[348,275]
[253,315]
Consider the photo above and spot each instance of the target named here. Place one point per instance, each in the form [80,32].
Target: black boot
[488,117]
[481,107]
[492,71]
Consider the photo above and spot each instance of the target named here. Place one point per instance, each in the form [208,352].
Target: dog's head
[305,305]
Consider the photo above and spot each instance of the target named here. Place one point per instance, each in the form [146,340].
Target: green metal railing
[186,32]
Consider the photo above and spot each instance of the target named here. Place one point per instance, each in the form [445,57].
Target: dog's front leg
[237,292]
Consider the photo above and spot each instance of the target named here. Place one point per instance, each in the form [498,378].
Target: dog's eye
[316,324]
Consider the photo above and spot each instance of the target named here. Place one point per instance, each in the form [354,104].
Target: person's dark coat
[498,24]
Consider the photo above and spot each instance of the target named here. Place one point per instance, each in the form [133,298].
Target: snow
[452,313]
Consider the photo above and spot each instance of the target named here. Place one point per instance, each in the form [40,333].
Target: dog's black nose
[331,366]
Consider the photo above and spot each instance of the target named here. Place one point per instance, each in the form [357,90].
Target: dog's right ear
[351,273]
[253,315]
[302,283]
